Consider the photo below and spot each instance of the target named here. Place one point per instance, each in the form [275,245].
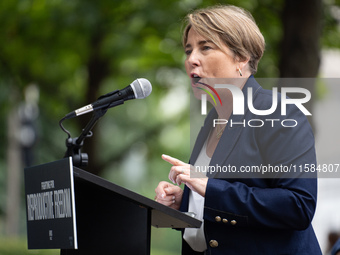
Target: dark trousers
[186,249]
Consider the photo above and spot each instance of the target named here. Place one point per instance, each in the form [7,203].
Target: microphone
[138,89]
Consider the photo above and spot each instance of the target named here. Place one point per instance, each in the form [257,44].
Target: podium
[80,213]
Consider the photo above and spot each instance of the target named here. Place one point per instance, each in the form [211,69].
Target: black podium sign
[50,206]
[83,214]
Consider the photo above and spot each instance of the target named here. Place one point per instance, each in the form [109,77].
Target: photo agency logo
[238,105]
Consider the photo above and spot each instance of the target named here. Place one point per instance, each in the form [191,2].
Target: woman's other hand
[169,195]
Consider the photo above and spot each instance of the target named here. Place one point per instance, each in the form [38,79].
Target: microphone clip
[74,145]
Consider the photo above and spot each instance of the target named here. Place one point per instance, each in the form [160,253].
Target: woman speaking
[241,215]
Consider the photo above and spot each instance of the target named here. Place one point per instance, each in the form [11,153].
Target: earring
[239,70]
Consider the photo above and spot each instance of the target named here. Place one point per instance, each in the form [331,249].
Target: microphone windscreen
[141,88]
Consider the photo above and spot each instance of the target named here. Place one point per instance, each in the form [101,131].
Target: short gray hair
[231,25]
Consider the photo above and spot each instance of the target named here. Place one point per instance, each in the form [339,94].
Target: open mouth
[195,78]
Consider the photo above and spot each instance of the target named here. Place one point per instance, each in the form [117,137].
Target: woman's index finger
[173,161]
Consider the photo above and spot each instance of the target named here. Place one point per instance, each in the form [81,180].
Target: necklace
[219,132]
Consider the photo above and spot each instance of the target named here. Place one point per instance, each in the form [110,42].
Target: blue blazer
[259,215]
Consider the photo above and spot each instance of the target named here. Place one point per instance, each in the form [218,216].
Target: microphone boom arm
[74,145]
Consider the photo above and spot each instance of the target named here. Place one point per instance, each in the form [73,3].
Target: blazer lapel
[202,136]
[232,133]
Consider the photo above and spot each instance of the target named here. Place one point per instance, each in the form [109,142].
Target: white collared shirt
[195,236]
